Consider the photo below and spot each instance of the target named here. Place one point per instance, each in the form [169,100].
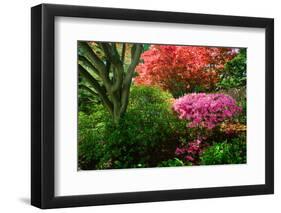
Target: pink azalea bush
[191,152]
[205,110]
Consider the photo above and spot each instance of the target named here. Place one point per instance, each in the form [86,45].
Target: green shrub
[242,118]
[173,162]
[91,133]
[234,73]
[147,133]
[145,136]
[226,152]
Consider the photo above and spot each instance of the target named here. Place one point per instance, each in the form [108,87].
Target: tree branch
[115,53]
[118,70]
[85,87]
[85,61]
[86,51]
[111,53]
[123,53]
[98,88]
[134,63]
[106,49]
[128,78]
[87,65]
[108,66]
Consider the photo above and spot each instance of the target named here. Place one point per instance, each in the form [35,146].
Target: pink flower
[191,151]
[180,151]
[189,158]
[205,110]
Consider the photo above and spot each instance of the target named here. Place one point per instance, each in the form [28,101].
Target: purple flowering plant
[206,110]
[202,111]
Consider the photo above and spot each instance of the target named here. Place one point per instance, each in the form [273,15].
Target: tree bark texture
[107,76]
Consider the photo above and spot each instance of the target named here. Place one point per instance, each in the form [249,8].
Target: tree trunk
[114,93]
[117,113]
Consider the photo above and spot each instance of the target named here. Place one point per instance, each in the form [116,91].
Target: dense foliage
[225,152]
[182,69]
[234,73]
[185,106]
[146,135]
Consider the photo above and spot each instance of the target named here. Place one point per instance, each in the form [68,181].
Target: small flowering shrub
[190,152]
[205,110]
[205,113]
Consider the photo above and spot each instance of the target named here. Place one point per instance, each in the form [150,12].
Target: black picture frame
[43,117]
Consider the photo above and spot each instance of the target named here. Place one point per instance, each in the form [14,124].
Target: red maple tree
[182,69]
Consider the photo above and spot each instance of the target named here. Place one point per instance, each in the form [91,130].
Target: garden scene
[150,105]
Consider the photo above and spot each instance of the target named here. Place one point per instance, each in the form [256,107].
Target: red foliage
[182,69]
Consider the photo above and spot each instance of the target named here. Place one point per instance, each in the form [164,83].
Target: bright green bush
[231,151]
[147,133]
[145,136]
[234,73]
[91,133]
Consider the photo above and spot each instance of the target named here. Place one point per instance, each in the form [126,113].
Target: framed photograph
[139,106]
